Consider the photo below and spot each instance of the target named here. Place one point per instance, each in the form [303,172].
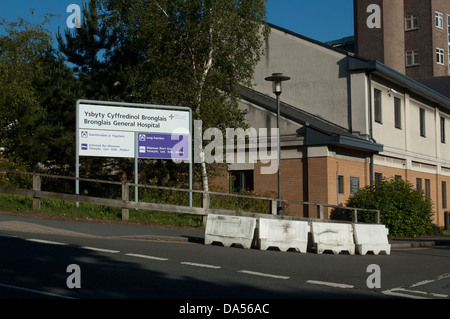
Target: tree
[22,51]
[58,90]
[98,66]
[192,53]
[88,47]
[404,210]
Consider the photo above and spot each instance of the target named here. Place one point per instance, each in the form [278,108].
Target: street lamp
[277,79]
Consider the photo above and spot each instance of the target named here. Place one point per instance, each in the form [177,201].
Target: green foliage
[191,53]
[37,98]
[21,50]
[252,205]
[63,209]
[404,210]
[13,179]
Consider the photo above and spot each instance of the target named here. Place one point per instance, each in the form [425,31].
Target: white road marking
[263,274]
[424,293]
[409,294]
[42,241]
[331,284]
[424,282]
[101,250]
[393,292]
[35,291]
[147,257]
[200,265]
[417,294]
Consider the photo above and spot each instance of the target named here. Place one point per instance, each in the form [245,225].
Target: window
[444,194]
[412,57]
[354,185]
[241,180]
[422,123]
[442,129]
[448,22]
[341,184]
[398,177]
[428,187]
[398,113]
[411,23]
[377,99]
[419,184]
[378,177]
[439,20]
[440,56]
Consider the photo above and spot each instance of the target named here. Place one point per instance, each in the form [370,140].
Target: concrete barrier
[336,237]
[373,238]
[230,230]
[283,234]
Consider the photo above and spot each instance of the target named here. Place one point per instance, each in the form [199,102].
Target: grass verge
[64,209]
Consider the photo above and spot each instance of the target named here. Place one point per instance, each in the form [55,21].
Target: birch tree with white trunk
[193,53]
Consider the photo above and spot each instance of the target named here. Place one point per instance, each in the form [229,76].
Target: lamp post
[277,79]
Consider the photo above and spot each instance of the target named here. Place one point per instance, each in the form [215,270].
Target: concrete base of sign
[371,238]
[336,237]
[283,234]
[230,230]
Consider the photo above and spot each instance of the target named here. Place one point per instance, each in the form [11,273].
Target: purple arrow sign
[163,146]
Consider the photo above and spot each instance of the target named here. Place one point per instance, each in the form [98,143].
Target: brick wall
[314,180]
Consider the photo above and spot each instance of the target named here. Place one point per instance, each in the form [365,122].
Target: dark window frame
[398,113]
[378,106]
[422,124]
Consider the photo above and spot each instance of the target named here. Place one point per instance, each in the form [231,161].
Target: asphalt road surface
[60,260]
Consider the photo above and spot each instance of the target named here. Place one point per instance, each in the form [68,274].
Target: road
[137,262]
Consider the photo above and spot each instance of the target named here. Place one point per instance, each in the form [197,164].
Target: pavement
[419,242]
[96,228]
[123,230]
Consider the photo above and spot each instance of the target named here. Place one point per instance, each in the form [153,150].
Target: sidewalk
[420,242]
[106,229]
[23,223]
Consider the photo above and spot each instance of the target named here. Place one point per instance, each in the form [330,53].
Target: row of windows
[354,184]
[412,22]
[398,115]
[413,57]
[419,187]
[243,180]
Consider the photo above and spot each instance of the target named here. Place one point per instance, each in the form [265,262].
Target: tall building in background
[414,37]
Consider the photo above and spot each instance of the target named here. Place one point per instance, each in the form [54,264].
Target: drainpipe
[370,127]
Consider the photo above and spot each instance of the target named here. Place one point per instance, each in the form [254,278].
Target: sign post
[127,130]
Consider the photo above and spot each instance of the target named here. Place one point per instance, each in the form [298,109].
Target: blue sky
[322,20]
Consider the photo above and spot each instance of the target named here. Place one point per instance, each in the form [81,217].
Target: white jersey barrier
[292,234]
[230,230]
[283,234]
[336,237]
[371,238]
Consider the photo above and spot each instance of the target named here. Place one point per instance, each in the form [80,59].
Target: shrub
[404,210]
[13,179]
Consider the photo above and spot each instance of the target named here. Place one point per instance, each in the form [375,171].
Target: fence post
[205,201]
[125,198]
[355,215]
[320,211]
[273,207]
[36,187]
[378,217]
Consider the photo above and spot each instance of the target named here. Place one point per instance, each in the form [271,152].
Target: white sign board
[114,129]
[110,131]
[99,117]
[106,143]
